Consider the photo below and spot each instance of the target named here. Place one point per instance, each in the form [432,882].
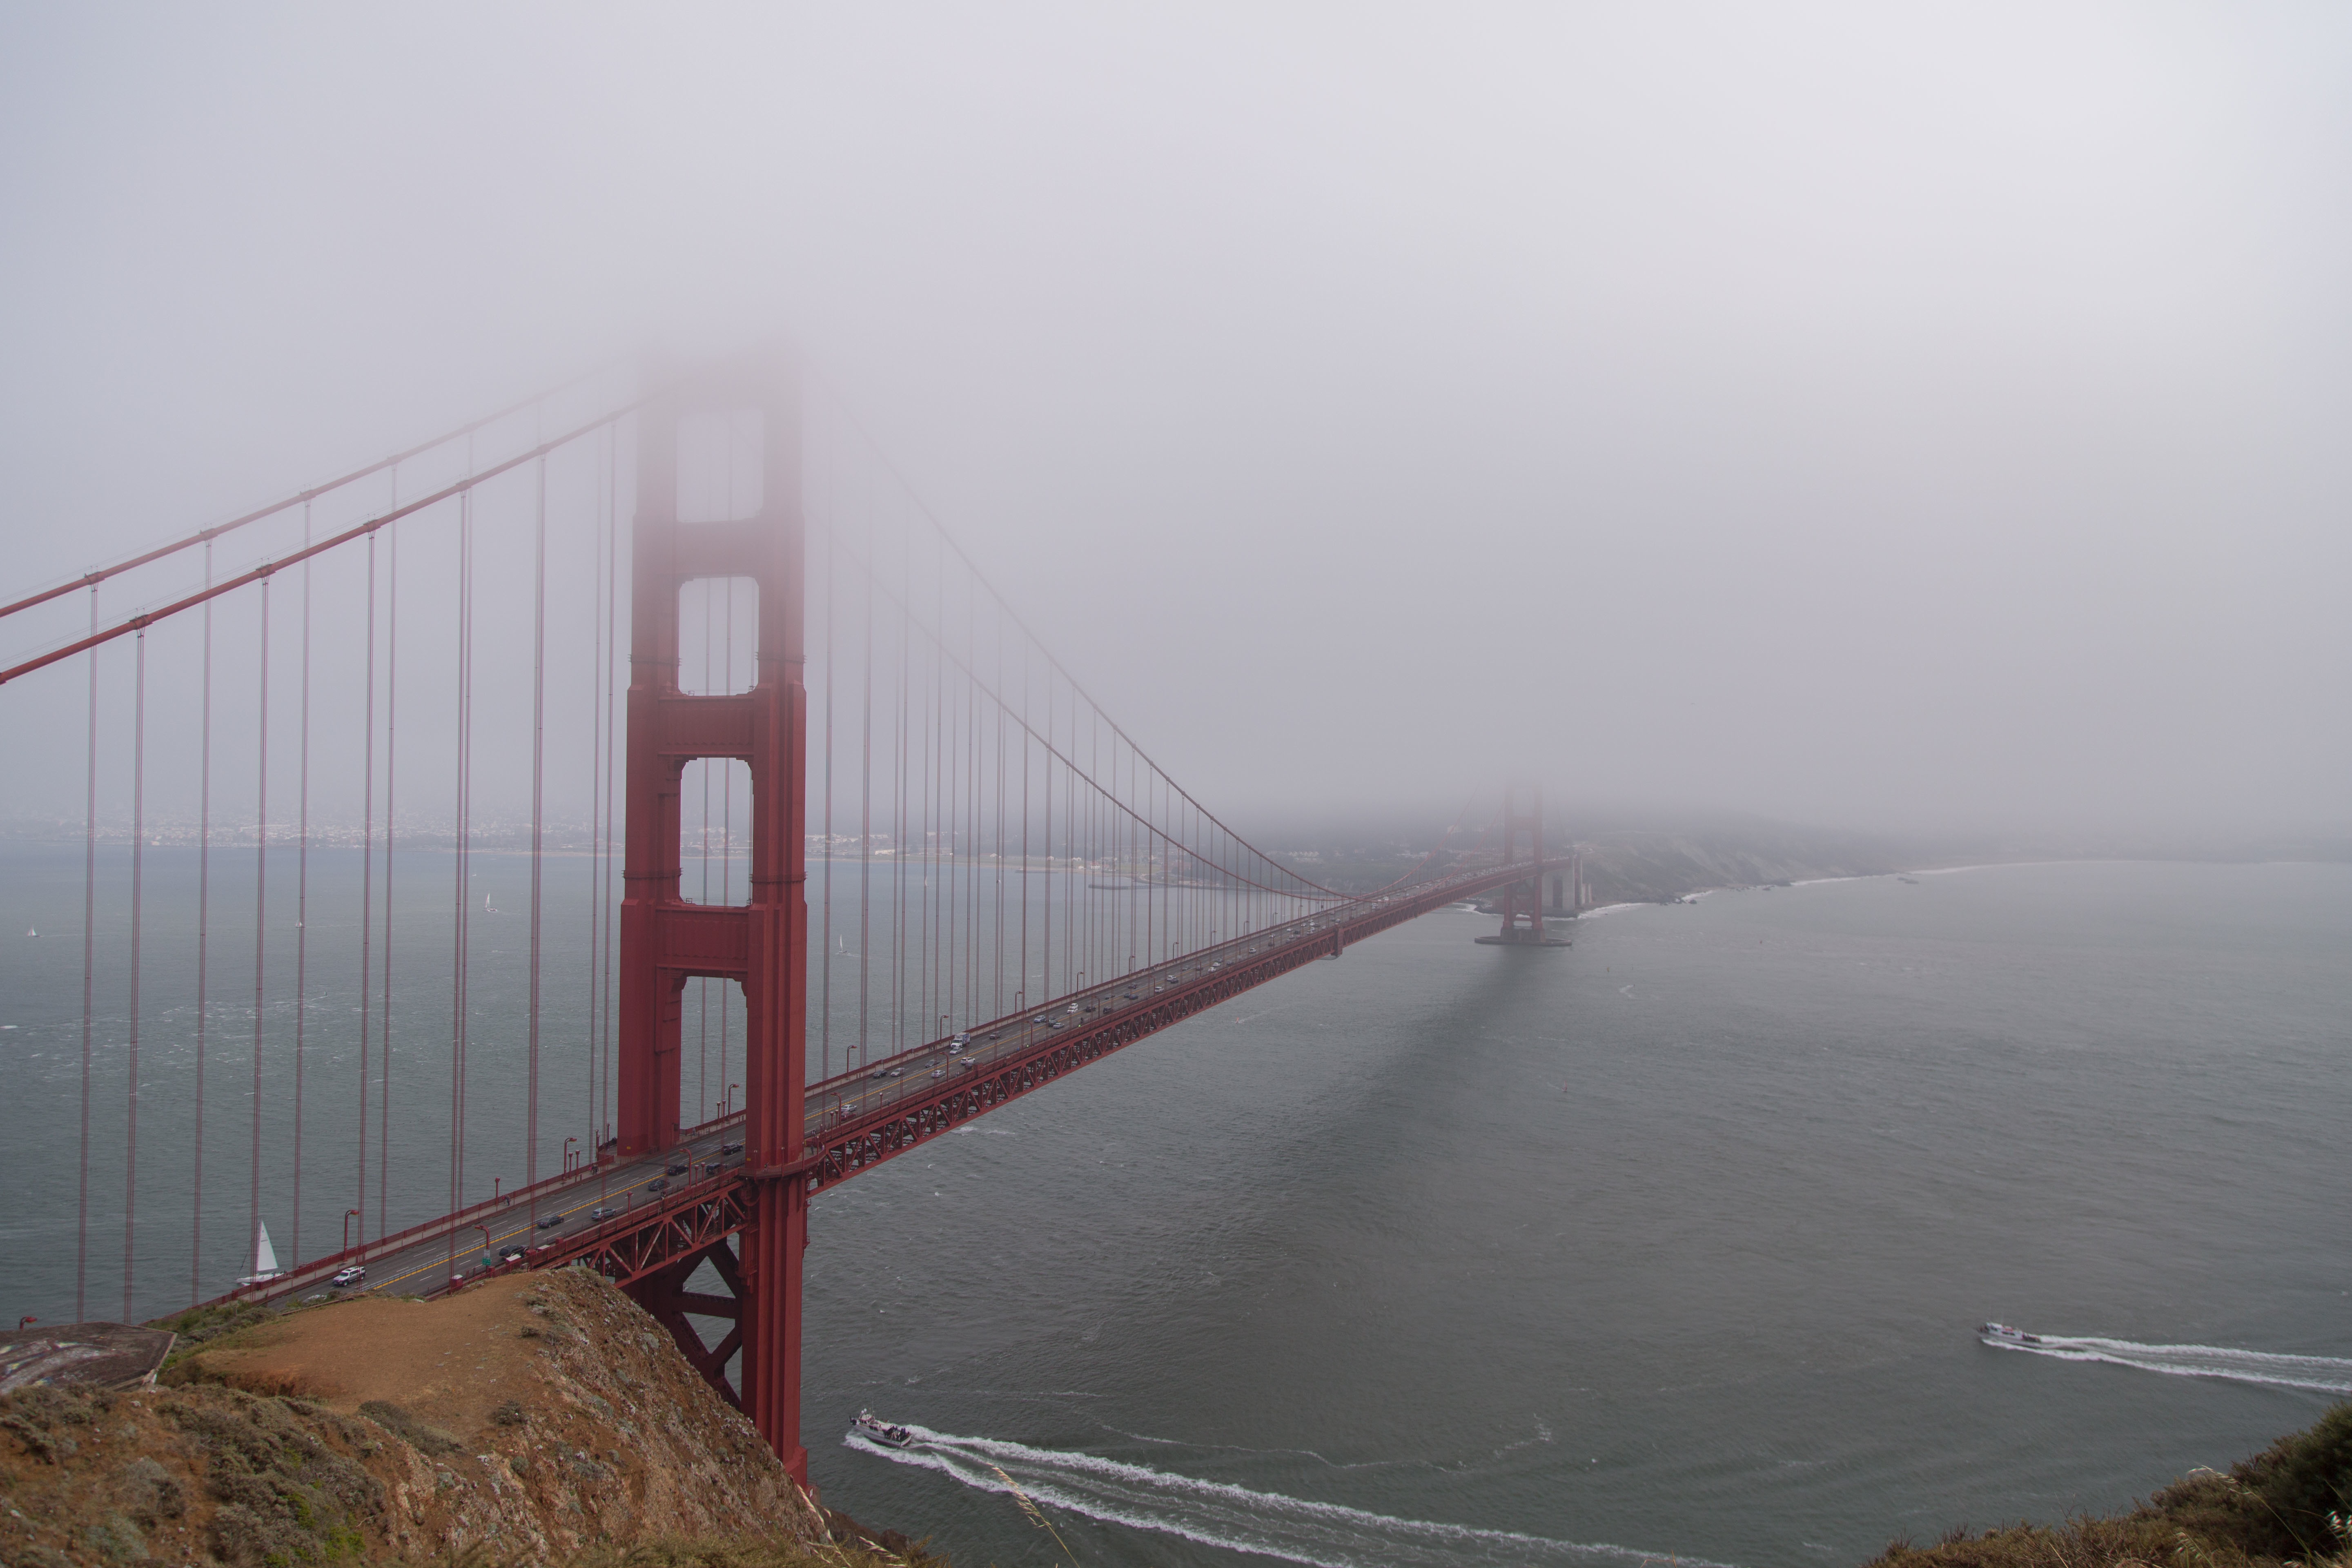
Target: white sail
[264,1257]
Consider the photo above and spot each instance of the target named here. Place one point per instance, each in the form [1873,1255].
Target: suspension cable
[267,568]
[205,536]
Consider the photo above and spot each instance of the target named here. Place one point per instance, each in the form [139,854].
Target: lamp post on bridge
[349,1215]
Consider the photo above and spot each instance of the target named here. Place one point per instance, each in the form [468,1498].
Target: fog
[1899,418]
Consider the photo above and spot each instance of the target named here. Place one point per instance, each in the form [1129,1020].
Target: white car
[351,1276]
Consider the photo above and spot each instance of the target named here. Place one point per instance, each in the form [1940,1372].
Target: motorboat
[874,1429]
[2003,1334]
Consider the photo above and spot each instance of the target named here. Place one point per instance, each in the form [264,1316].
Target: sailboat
[264,1260]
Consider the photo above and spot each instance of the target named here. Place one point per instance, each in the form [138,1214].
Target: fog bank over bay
[1918,423]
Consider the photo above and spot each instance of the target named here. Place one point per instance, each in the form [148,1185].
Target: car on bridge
[730,1148]
[602,1212]
[659,1184]
[677,1170]
[348,1277]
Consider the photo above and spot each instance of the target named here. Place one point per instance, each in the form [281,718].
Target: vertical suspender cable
[825,985]
[1028,744]
[596,821]
[538,818]
[898,806]
[302,897]
[260,915]
[865,815]
[462,924]
[367,883]
[726,814]
[203,909]
[89,974]
[138,848]
[612,751]
[996,997]
[702,985]
[1046,940]
[391,775]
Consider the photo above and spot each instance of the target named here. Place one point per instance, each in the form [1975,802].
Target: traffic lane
[424,1269]
[913,1074]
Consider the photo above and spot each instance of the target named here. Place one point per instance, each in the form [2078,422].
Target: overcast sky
[1893,417]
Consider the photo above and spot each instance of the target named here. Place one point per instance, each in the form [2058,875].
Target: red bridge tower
[1523,920]
[666,940]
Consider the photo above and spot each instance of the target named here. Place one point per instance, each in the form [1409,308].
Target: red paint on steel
[762,945]
[1522,901]
[269,568]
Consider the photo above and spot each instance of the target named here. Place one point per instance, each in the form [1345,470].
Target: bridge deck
[627,1225]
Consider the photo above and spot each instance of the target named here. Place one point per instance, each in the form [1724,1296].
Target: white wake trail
[1325,1535]
[2320,1373]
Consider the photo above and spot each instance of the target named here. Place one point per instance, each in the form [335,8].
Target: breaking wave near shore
[1215,1514]
[2322,1375]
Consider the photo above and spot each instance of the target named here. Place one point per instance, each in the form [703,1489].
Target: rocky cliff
[535,1418]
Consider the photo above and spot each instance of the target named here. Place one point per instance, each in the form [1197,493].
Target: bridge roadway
[629,1219]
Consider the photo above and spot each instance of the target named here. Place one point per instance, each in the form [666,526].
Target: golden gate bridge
[841,800]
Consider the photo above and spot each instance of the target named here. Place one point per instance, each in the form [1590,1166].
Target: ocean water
[1669,1245]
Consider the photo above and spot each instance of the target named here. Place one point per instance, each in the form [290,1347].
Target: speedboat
[2009,1336]
[874,1429]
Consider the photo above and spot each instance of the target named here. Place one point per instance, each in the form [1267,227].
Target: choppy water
[1674,1244]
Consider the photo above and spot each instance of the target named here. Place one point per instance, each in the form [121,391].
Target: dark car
[675,1170]
[730,1148]
[601,1213]
[659,1184]
[511,1255]
[551,1221]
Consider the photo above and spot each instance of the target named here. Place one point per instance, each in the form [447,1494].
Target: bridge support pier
[665,1296]
[685,533]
